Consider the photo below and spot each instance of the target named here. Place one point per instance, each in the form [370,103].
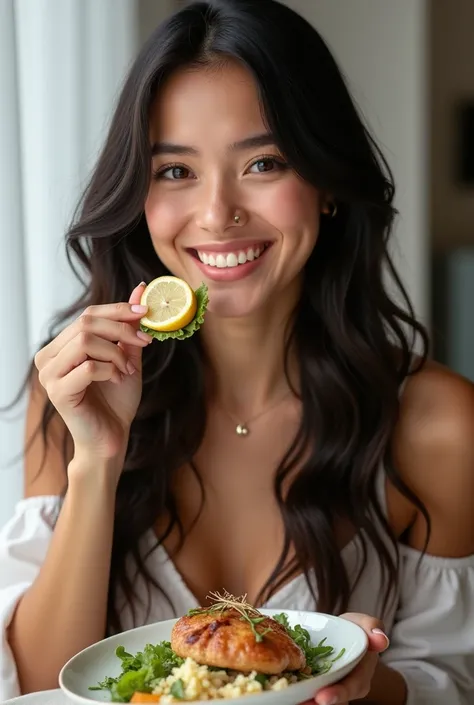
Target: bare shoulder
[434,453]
[46,451]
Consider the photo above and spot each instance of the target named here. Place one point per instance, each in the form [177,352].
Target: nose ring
[237,218]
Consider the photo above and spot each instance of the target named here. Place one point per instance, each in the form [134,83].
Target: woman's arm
[431,657]
[434,451]
[65,609]
[388,687]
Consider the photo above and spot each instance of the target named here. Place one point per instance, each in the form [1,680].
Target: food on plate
[174,309]
[223,651]
[240,639]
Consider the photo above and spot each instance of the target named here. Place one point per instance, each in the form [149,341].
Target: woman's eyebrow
[265,139]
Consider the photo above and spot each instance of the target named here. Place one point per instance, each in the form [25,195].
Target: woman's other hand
[356,685]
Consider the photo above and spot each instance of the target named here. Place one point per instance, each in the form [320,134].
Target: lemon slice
[171,304]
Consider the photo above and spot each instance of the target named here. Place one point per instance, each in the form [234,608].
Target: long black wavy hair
[354,340]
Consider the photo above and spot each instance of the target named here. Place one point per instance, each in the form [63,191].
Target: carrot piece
[138,697]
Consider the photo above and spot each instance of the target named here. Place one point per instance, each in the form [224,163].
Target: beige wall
[381,46]
[151,13]
[452,78]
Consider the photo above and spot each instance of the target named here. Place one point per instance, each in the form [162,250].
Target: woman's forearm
[388,687]
[65,609]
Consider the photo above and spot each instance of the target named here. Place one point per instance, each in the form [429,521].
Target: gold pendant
[242,430]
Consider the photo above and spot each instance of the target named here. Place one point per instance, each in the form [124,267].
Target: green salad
[143,671]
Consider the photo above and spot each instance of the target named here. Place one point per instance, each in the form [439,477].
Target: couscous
[192,681]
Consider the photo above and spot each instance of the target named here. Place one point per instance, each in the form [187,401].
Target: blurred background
[409,65]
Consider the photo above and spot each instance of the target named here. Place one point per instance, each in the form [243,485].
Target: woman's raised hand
[92,374]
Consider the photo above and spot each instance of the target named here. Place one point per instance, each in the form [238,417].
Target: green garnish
[225,602]
[317,657]
[177,689]
[186,332]
[141,672]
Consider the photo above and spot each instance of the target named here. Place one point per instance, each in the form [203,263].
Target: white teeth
[232,259]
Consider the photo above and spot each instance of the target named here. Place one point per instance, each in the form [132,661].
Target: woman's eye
[264,165]
[173,173]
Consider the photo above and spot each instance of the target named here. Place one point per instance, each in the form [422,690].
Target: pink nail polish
[130,368]
[137,308]
[144,336]
[331,701]
[382,633]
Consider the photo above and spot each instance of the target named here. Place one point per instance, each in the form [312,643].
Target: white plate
[99,661]
[45,697]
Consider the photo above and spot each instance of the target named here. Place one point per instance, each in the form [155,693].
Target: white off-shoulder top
[430,623]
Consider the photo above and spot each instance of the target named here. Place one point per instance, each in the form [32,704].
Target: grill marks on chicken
[227,640]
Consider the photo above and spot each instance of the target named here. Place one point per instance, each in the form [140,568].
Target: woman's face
[214,159]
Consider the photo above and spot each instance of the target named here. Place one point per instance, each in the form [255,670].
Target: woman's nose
[216,211]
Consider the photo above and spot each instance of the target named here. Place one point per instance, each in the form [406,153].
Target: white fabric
[61,64]
[432,630]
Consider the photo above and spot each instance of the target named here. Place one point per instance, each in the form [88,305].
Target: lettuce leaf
[186,332]
[141,672]
[320,657]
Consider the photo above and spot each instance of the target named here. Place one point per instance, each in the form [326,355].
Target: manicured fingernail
[142,284]
[144,336]
[382,633]
[137,308]
[131,369]
[331,701]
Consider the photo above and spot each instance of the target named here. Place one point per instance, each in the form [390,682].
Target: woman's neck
[247,360]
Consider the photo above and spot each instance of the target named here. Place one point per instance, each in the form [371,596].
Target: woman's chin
[228,310]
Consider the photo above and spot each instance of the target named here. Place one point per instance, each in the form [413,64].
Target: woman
[352,491]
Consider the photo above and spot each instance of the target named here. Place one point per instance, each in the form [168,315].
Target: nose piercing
[237,218]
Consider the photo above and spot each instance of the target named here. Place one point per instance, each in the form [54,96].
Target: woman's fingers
[71,388]
[85,346]
[354,687]
[357,684]
[133,352]
[374,628]
[115,322]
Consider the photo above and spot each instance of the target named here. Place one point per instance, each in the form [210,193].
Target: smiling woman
[295,449]
[230,164]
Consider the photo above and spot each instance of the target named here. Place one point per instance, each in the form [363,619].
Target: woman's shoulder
[437,410]
[433,449]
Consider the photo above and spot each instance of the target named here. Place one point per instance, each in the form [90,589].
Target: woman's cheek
[165,219]
[291,205]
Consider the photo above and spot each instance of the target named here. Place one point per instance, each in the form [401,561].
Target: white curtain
[61,65]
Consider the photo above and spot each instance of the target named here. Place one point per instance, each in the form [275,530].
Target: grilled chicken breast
[226,640]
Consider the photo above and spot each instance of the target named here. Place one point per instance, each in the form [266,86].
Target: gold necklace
[242,428]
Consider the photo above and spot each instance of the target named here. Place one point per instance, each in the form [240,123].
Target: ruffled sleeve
[24,542]
[432,640]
